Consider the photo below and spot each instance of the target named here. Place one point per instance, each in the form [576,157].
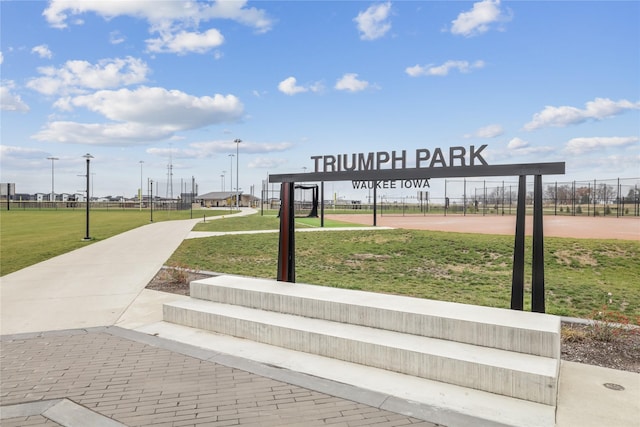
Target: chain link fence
[609,197]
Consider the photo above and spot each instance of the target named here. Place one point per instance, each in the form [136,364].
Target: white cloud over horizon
[212,149]
[598,109]
[587,144]
[518,146]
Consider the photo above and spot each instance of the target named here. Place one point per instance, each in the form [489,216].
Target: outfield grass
[467,268]
[31,236]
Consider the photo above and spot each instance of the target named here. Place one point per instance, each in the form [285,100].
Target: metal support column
[375,203]
[286,248]
[322,204]
[517,278]
[537,278]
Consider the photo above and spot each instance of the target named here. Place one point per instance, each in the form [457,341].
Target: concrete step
[434,401]
[518,375]
[517,331]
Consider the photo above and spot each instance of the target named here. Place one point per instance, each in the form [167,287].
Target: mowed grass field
[31,236]
[467,268]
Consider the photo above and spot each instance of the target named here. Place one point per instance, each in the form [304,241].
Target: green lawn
[468,268]
[31,236]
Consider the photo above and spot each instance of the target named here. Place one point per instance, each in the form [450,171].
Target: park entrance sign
[456,162]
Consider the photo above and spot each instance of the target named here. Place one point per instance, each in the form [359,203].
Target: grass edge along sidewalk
[28,237]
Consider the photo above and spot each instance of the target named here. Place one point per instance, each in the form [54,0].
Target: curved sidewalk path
[90,286]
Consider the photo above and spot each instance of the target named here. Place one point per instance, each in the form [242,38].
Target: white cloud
[517,143]
[443,70]
[141,115]
[598,109]
[115,37]
[10,101]
[1,58]
[176,22]
[209,149]
[78,76]
[372,23]
[289,86]
[583,145]
[518,146]
[490,131]
[479,19]
[14,152]
[351,83]
[159,13]
[168,109]
[185,42]
[266,163]
[43,51]
[108,134]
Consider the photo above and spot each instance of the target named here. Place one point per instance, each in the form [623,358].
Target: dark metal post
[286,248]
[537,280]
[595,196]
[151,200]
[375,203]
[322,204]
[517,278]
[88,157]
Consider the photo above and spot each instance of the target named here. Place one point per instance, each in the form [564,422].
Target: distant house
[217,199]
[223,199]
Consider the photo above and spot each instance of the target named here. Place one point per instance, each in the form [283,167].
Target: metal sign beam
[556,168]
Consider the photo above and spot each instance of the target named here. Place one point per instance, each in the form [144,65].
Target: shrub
[609,326]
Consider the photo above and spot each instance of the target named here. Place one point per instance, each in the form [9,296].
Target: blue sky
[152,81]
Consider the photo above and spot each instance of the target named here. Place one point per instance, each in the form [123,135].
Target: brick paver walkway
[139,384]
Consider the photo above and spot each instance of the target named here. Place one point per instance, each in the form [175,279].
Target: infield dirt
[627,228]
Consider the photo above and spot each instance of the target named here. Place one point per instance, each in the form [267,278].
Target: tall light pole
[231,173]
[237,141]
[88,157]
[53,193]
[140,195]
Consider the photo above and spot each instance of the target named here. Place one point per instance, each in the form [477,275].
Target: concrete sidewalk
[139,379]
[91,286]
